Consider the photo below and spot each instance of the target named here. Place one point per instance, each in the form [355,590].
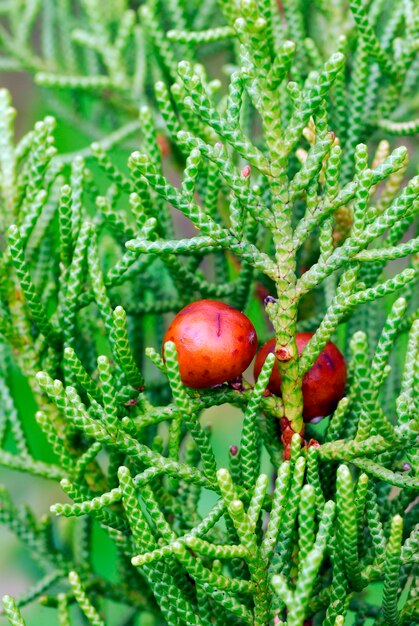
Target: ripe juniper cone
[323,385]
[215,343]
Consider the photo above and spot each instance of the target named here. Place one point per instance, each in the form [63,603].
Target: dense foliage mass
[274,131]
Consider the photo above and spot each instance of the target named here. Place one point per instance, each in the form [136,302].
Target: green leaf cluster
[277,167]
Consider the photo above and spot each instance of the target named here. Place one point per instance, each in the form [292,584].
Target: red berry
[215,343]
[163,145]
[323,385]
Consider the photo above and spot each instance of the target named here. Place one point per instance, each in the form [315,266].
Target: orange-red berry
[214,341]
[323,385]
[164,145]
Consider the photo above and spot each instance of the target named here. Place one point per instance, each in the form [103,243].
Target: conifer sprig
[273,167]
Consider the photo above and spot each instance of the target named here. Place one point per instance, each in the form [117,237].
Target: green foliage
[275,163]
